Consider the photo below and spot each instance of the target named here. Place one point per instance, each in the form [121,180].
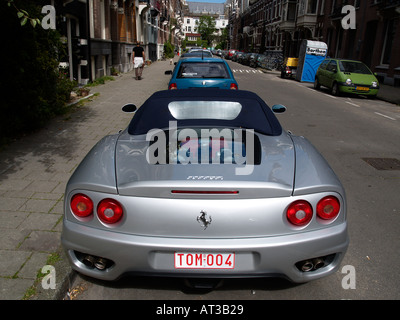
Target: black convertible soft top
[255,114]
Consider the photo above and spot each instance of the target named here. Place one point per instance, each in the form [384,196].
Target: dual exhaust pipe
[96,262]
[311,265]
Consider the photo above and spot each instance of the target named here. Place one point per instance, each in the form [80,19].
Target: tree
[223,40]
[169,50]
[206,28]
[33,88]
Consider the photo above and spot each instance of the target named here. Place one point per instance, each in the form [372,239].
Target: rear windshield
[353,67]
[195,70]
[221,110]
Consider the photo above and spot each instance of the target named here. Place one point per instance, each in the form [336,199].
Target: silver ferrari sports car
[205,183]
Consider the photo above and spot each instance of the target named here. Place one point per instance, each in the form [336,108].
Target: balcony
[307,19]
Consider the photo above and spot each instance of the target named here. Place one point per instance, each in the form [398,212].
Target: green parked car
[346,76]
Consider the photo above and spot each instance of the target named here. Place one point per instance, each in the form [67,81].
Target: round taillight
[109,211]
[299,213]
[81,205]
[328,208]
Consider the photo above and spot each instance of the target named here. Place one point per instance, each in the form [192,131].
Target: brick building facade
[100,34]
[280,26]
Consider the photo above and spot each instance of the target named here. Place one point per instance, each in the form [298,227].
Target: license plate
[184,260]
[362,88]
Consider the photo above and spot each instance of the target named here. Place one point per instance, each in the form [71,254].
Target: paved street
[35,169]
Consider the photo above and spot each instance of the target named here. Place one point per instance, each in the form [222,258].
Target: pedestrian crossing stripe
[247,71]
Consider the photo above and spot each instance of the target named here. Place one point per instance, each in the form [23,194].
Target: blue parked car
[202,73]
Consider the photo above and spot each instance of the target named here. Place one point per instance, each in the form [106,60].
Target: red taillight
[81,205]
[328,208]
[299,213]
[234,86]
[172,86]
[109,211]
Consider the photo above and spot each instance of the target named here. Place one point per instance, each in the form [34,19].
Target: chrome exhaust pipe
[100,263]
[318,263]
[307,266]
[89,261]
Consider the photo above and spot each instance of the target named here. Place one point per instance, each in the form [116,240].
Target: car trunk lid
[269,174]
[205,200]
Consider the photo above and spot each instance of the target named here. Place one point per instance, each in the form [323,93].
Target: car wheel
[335,89]
[317,85]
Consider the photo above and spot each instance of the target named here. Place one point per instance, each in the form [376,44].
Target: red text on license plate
[204,260]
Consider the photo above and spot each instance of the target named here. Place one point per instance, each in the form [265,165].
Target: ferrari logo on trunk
[202,219]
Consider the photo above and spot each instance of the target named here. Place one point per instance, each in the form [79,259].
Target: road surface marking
[353,104]
[383,115]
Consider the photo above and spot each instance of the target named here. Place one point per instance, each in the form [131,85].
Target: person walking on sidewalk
[138,60]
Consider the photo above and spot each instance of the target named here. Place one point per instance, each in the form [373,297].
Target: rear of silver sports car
[282,215]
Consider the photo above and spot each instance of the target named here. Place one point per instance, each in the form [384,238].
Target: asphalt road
[346,130]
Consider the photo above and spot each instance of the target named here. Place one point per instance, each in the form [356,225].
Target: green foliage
[206,28]
[223,40]
[23,15]
[34,90]
[169,50]
[101,80]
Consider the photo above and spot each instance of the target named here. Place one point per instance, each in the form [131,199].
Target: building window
[322,7]
[302,7]
[389,38]
[312,6]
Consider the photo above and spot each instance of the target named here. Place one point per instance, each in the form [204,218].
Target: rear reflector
[202,192]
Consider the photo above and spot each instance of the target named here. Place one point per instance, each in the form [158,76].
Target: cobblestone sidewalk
[35,169]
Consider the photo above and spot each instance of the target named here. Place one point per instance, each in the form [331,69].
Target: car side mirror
[334,70]
[278,108]
[168,72]
[129,108]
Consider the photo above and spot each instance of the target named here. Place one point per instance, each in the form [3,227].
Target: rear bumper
[254,257]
